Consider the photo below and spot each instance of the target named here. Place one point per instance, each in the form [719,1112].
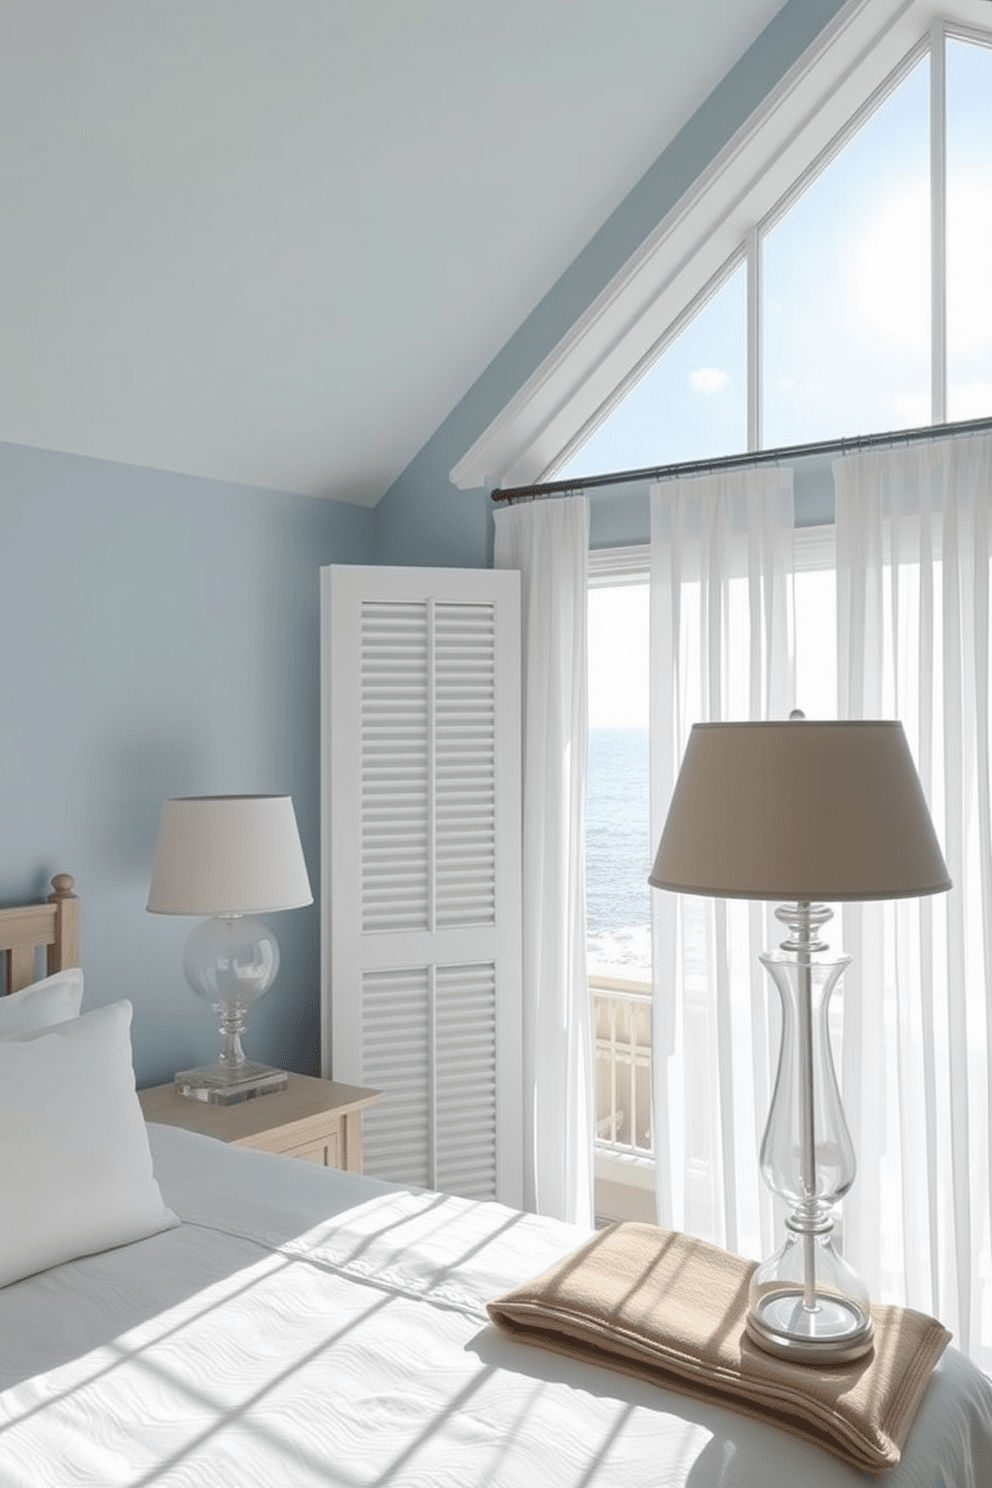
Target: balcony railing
[622,1032]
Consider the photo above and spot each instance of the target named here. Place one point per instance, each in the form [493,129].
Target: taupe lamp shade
[799,810]
[220,855]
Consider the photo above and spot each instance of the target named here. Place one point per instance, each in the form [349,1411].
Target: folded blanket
[671,1310]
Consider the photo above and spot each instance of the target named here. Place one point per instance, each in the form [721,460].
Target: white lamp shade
[228,855]
[799,810]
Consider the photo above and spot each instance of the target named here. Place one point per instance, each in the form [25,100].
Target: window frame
[859,57]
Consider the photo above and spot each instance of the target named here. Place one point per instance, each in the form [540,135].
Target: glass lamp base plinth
[223,1086]
[835,1331]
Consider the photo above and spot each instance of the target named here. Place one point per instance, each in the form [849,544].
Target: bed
[292,1325]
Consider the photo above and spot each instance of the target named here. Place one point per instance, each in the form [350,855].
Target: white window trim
[814,548]
[609,568]
[840,78]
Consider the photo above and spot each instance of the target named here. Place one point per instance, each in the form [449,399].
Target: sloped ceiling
[274,241]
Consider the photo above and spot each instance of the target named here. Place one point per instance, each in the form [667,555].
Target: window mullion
[938,224]
[753,251]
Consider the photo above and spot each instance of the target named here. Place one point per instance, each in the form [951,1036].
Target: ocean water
[618,851]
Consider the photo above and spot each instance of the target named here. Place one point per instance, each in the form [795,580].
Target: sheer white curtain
[721,648]
[913,551]
[548,541]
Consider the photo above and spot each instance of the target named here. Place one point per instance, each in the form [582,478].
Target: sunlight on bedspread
[303,1327]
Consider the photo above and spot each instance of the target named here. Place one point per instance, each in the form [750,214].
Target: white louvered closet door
[421,869]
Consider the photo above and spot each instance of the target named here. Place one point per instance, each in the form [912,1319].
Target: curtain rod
[754,457]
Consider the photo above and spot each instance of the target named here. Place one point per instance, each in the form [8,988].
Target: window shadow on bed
[724,1447]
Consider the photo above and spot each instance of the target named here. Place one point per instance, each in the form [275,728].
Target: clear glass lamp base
[806,1303]
[836,1331]
[223,1086]
[231,961]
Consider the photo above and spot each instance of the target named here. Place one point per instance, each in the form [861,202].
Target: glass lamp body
[231,961]
[231,958]
[806,1302]
[781,1155]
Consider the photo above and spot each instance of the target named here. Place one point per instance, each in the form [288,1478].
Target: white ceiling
[274,241]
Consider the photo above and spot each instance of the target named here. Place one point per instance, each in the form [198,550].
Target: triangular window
[860,301]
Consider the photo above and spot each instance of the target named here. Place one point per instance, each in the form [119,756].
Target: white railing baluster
[614,998]
[613,1071]
[632,1063]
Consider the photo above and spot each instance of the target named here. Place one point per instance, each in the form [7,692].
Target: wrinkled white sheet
[304,1326]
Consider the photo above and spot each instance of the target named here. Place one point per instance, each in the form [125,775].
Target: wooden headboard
[54,924]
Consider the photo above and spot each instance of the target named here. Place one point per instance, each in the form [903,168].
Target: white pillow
[75,1169]
[54,1000]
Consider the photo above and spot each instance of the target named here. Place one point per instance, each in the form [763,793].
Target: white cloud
[912,409]
[892,268]
[969,273]
[892,265]
[708,380]
[969,400]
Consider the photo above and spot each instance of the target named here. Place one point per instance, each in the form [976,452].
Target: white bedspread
[305,1326]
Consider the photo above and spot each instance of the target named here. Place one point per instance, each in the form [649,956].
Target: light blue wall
[423,518]
[159,635]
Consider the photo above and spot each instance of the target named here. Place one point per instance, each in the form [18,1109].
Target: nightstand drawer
[325,1153]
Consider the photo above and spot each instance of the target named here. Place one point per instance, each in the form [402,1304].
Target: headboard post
[24,927]
[64,950]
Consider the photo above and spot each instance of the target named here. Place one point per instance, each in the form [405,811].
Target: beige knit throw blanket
[671,1310]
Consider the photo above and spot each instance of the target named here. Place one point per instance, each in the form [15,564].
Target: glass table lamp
[803,812]
[231,858]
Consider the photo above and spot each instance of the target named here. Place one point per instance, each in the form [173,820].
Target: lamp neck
[804,920]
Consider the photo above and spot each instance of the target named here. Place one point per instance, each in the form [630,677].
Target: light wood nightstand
[318,1120]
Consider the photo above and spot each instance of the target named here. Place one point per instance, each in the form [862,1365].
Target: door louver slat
[394,707]
[466,700]
[421,663]
[396,1057]
[466,1082]
[408,1038]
